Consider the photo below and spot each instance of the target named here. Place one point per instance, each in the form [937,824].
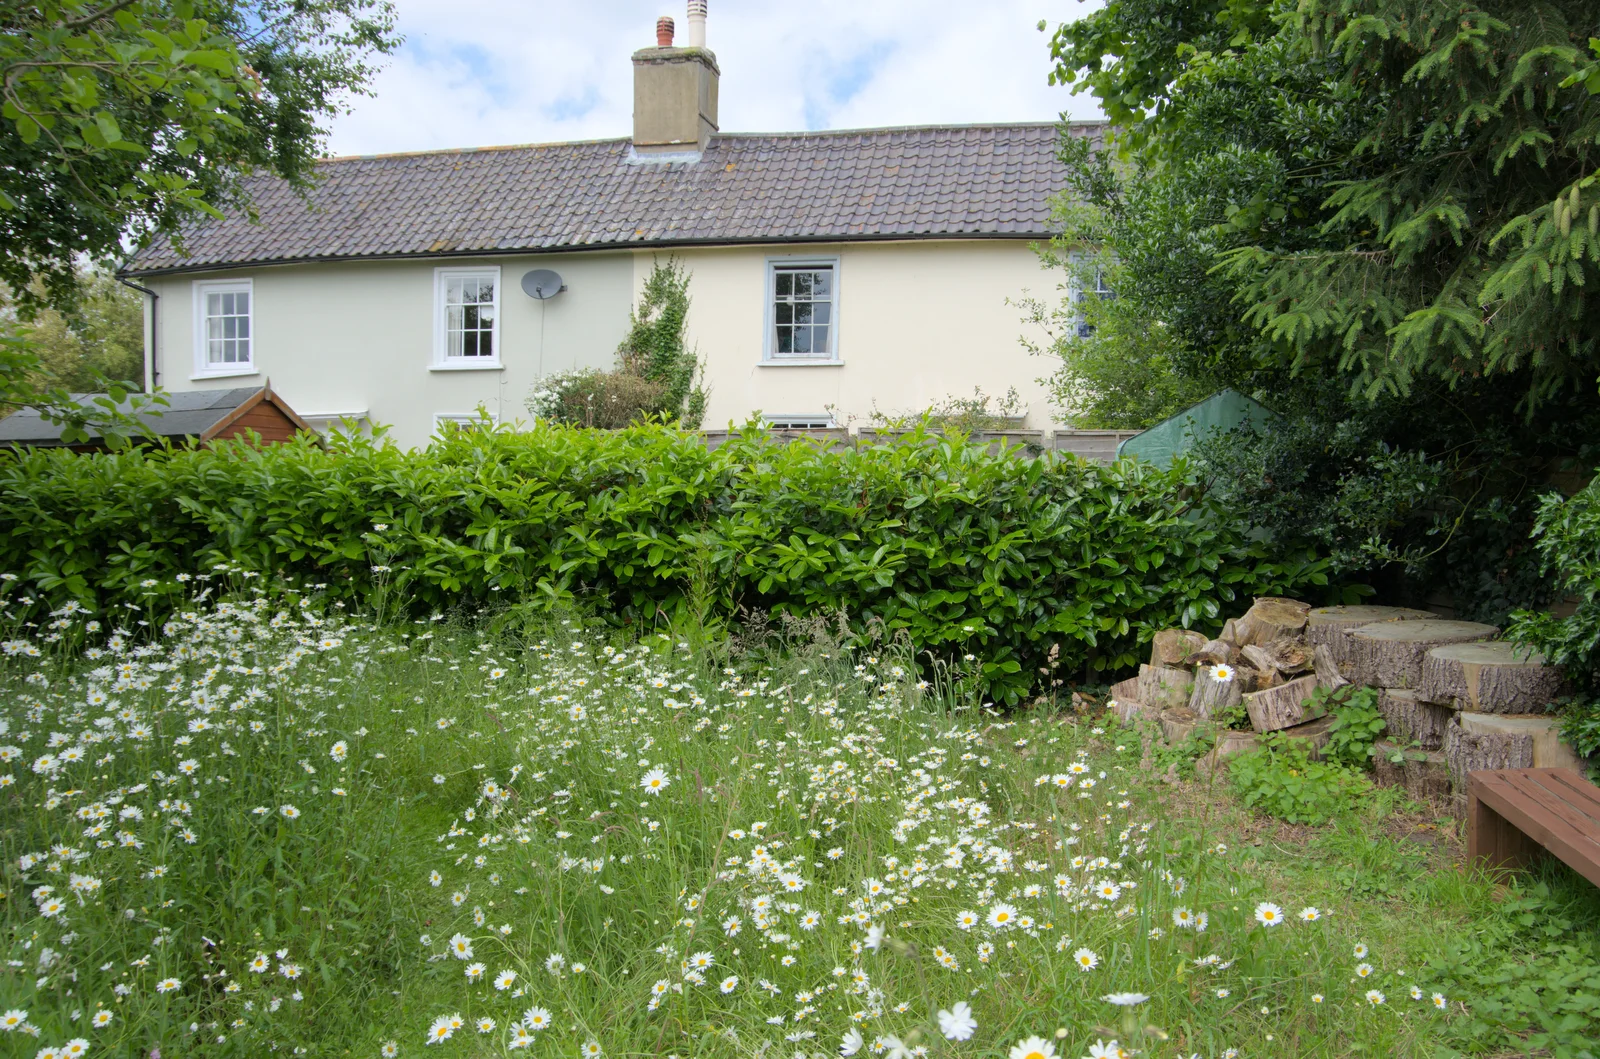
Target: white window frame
[462,418]
[442,361]
[203,368]
[770,357]
[813,421]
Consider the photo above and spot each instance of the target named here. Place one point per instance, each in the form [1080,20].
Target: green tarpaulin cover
[1172,437]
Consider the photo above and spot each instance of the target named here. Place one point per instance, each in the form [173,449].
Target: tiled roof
[934,182]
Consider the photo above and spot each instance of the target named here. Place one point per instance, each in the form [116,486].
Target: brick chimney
[675,90]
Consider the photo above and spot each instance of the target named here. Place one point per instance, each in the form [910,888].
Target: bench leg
[1493,844]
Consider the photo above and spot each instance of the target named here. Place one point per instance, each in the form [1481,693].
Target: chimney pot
[664,32]
[697,23]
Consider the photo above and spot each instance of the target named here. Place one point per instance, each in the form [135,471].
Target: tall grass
[335,838]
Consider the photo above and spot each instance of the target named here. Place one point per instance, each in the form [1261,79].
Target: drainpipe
[152,377]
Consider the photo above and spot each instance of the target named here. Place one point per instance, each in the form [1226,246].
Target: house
[189,416]
[833,273]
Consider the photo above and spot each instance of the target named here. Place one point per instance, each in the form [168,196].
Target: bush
[960,550]
[608,400]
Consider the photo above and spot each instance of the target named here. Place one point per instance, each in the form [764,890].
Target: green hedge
[967,550]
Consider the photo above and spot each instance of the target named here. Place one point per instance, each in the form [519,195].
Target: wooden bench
[1513,813]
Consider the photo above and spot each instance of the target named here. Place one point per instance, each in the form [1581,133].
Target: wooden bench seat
[1513,813]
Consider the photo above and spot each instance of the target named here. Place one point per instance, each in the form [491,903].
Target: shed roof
[967,181]
[192,413]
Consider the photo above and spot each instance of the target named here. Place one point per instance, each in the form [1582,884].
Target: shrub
[608,400]
[957,549]
[1357,724]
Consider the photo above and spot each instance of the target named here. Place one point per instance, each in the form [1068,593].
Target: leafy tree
[100,337]
[122,119]
[1348,208]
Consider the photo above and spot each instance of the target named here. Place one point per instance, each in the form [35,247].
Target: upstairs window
[803,301]
[223,331]
[467,329]
[1101,290]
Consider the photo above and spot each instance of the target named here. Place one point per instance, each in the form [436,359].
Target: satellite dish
[542,283]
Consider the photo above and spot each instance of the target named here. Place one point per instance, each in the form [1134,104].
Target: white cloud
[524,71]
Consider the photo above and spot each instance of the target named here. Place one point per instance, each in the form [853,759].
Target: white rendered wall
[919,322]
[358,336]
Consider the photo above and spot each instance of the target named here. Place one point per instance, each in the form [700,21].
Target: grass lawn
[277,830]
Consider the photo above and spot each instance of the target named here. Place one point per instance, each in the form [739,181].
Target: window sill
[239,374]
[494,366]
[802,362]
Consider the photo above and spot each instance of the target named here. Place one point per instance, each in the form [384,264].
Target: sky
[537,71]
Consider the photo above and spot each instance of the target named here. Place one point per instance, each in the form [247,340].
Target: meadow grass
[271,827]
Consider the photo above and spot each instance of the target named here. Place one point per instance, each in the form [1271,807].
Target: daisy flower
[1032,1048]
[957,1024]
[504,980]
[537,1019]
[654,782]
[1375,998]
[1086,959]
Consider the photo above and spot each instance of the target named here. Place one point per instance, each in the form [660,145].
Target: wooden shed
[192,416]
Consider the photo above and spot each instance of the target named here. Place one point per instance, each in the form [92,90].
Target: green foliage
[1376,219]
[1118,364]
[961,550]
[657,375]
[99,337]
[1356,726]
[959,415]
[122,120]
[1281,779]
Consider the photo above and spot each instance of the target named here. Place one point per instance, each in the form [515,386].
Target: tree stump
[1327,670]
[1283,707]
[1330,626]
[1212,695]
[1281,656]
[1390,653]
[1131,711]
[1546,747]
[1467,750]
[1271,618]
[1411,719]
[1162,688]
[1125,690]
[1172,648]
[1489,678]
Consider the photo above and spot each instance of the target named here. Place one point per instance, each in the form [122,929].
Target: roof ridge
[793,134]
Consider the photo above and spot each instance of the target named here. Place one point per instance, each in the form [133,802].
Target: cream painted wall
[919,322]
[358,336]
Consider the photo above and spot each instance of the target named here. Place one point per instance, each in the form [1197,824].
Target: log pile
[1454,698]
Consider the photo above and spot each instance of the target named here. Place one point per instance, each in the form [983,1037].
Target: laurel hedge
[968,551]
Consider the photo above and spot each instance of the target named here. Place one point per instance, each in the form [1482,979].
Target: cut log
[1388,768]
[1172,648]
[1230,631]
[1390,653]
[1125,690]
[1314,734]
[1283,707]
[1330,626]
[1471,750]
[1328,675]
[1178,724]
[1281,656]
[1489,678]
[1215,689]
[1131,711]
[1272,618]
[1229,744]
[1215,653]
[1412,720]
[1549,752]
[1427,775]
[1163,688]
[1268,678]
